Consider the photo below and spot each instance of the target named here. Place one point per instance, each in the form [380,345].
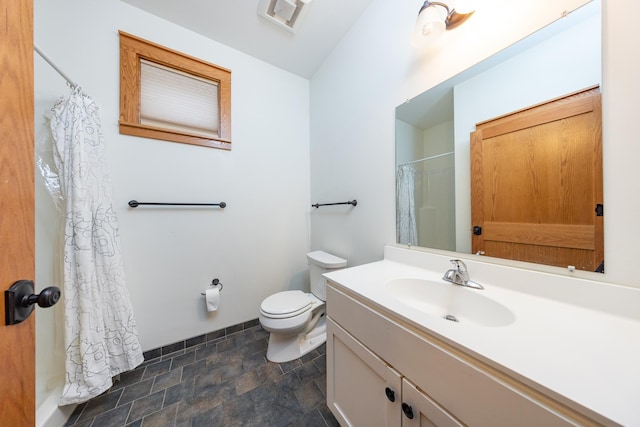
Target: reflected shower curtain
[101,338]
[407,231]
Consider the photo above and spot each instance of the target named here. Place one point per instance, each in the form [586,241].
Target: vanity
[406,348]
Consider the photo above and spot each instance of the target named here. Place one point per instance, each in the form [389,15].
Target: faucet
[460,276]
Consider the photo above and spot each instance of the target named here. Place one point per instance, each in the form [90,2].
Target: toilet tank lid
[326,260]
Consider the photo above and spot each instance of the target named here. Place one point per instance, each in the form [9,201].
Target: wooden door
[536,183]
[17,357]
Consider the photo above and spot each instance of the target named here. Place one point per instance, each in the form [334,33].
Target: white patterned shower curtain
[101,339]
[407,231]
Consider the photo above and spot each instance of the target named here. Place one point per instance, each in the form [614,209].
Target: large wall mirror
[433,135]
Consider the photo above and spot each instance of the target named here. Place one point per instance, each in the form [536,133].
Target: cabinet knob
[391,395]
[408,410]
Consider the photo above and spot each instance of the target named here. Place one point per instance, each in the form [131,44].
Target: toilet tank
[319,263]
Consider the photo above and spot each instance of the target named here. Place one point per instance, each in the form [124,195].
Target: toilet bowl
[295,319]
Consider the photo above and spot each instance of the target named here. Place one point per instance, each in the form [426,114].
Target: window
[168,95]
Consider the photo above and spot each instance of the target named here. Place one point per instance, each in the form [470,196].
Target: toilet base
[290,347]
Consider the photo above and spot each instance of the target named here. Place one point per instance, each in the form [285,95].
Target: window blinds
[178,101]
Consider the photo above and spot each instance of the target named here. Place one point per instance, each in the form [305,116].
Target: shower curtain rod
[428,158]
[54,66]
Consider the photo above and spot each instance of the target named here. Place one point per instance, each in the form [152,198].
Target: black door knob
[391,395]
[19,300]
[408,410]
[48,297]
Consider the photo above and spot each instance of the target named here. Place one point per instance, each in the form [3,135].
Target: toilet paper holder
[216,283]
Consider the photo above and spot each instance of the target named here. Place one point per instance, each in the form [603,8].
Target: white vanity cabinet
[419,410]
[369,350]
[362,390]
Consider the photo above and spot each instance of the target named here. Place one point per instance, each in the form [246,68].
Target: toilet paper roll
[212,297]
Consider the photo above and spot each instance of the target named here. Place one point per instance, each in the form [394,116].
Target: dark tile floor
[215,381]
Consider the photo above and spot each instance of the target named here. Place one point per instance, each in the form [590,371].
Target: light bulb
[429,26]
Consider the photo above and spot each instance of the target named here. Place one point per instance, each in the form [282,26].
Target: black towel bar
[135,204]
[350,202]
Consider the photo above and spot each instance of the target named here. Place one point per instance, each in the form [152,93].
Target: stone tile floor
[223,381]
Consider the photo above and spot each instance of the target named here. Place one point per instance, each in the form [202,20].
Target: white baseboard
[49,414]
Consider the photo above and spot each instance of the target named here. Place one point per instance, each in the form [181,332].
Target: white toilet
[296,319]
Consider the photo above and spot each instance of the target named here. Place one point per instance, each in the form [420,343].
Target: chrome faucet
[460,276]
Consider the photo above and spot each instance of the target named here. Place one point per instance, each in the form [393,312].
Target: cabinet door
[362,390]
[419,410]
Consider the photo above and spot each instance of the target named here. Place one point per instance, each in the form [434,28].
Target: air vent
[286,14]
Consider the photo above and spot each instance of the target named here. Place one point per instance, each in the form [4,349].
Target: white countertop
[585,355]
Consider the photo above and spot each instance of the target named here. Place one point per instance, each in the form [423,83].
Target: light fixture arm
[428,3]
[453,20]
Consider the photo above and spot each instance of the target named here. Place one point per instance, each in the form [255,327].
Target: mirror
[433,173]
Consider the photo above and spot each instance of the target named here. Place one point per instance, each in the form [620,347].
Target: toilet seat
[288,312]
[285,304]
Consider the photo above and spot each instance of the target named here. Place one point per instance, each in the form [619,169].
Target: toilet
[295,319]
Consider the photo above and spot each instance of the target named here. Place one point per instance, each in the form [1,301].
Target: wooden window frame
[132,50]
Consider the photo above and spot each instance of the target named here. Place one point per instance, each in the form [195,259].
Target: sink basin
[451,302]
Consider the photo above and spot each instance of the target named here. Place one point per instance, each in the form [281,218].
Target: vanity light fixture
[433,19]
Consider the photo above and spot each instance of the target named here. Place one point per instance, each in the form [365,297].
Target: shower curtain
[407,231]
[101,338]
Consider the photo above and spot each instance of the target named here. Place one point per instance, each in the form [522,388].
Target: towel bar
[135,204]
[350,202]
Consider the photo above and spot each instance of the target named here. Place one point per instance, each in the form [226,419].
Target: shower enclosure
[433,207]
[425,184]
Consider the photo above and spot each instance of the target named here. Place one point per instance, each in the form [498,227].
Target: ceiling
[236,23]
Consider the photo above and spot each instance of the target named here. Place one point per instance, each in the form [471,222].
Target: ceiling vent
[286,14]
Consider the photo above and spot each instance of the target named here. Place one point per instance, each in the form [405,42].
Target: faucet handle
[460,266]
[460,275]
[461,269]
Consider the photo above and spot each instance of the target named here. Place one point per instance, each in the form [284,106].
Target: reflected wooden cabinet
[362,390]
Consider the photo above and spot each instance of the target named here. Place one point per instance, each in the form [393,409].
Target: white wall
[374,69]
[438,139]
[256,246]
[410,142]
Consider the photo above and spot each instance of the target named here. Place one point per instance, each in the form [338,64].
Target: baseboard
[49,414]
[200,339]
